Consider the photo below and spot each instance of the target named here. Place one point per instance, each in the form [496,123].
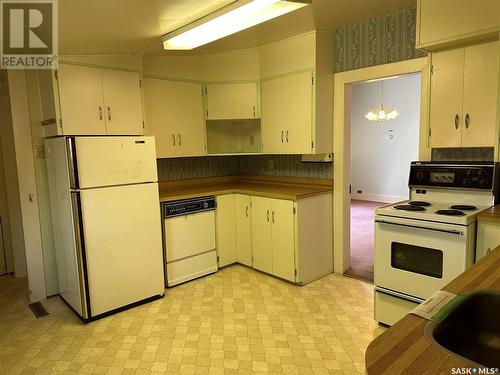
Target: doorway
[381,152]
[343,90]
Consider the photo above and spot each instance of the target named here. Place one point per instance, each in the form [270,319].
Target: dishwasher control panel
[188,206]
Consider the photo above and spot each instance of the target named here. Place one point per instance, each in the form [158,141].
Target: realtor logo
[28,34]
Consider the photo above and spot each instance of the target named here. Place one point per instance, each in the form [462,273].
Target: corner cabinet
[174,115]
[464,92]
[289,239]
[81,100]
[297,94]
[228,101]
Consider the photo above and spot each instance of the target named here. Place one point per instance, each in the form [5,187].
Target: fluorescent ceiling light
[235,17]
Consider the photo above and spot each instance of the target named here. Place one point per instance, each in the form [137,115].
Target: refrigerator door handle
[80,253]
[72,166]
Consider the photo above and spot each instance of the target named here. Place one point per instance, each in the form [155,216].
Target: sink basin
[471,330]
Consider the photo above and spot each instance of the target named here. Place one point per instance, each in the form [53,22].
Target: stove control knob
[205,204]
[420,175]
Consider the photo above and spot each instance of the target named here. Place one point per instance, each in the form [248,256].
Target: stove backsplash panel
[463,154]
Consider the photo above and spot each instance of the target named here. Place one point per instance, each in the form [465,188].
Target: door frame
[342,141]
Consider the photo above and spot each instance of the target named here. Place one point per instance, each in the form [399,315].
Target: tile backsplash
[260,165]
[463,154]
[377,41]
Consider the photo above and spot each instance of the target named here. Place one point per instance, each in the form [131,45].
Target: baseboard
[378,198]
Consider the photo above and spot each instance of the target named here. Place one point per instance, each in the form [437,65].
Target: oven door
[417,257]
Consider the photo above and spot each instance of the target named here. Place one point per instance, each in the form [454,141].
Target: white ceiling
[88,27]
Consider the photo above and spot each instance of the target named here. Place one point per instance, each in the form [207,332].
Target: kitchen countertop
[403,347]
[266,186]
[491,215]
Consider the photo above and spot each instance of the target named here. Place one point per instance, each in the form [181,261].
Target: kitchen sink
[471,330]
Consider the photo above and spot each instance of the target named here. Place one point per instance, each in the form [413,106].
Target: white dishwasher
[189,239]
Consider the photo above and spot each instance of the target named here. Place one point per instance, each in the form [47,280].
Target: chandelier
[381,113]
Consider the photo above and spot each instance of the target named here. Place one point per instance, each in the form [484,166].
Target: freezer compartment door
[123,245]
[111,161]
[189,235]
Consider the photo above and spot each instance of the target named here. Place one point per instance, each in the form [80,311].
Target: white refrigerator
[106,221]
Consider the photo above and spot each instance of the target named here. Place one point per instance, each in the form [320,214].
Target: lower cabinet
[273,239]
[288,239]
[226,230]
[243,230]
[488,238]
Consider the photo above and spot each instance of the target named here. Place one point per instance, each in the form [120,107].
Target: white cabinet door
[231,101]
[191,137]
[262,250]
[287,114]
[447,89]
[174,115]
[491,240]
[480,95]
[243,230]
[273,121]
[283,239]
[122,100]
[81,100]
[226,230]
[298,90]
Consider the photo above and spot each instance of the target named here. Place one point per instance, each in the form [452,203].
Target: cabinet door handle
[109,113]
[253,111]
[273,216]
[100,113]
[246,211]
[457,121]
[467,121]
[173,139]
[287,136]
[282,136]
[180,140]
[268,216]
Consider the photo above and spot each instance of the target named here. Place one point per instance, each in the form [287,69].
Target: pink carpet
[362,239]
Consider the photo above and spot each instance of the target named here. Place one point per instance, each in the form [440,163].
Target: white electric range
[424,243]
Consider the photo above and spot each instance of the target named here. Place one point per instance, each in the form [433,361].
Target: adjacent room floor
[362,239]
[237,321]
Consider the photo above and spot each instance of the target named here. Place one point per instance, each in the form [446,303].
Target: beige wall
[13,224]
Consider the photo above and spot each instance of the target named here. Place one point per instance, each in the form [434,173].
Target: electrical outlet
[359,191]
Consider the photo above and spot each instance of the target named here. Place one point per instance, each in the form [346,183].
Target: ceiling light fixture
[237,16]
[382,114]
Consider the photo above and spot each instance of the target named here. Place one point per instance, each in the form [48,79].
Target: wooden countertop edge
[403,347]
[223,191]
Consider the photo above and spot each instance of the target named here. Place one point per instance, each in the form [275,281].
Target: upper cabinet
[91,101]
[297,95]
[287,109]
[464,91]
[226,101]
[444,22]
[174,115]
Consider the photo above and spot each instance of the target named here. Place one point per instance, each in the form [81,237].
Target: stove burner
[409,207]
[463,207]
[450,212]
[419,203]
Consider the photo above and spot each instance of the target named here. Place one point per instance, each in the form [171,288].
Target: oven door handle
[457,232]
